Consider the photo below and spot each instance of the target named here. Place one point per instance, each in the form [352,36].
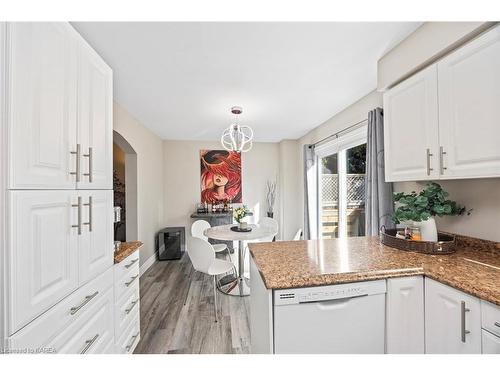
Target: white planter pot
[428,229]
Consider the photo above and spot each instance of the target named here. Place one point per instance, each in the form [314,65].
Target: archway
[125,183]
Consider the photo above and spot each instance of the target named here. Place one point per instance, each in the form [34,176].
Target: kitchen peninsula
[357,295]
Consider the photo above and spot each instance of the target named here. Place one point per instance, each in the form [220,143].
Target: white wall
[182,178]
[150,198]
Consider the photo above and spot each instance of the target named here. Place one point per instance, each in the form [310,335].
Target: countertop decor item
[271,197]
[239,214]
[237,228]
[422,207]
[445,243]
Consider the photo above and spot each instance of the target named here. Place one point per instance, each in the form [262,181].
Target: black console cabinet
[171,243]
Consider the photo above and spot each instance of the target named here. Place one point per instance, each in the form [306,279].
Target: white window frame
[338,146]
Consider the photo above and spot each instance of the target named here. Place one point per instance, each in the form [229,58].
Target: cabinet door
[405,315]
[95,245]
[95,120]
[452,320]
[42,252]
[469,115]
[411,128]
[491,343]
[41,98]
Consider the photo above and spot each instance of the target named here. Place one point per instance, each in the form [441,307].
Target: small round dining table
[241,285]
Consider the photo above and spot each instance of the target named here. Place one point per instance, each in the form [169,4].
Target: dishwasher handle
[332,303]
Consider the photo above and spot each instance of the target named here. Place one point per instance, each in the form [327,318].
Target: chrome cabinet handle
[127,348]
[429,169]
[89,205]
[497,324]
[463,311]
[89,155]
[89,343]
[77,168]
[87,299]
[131,263]
[79,222]
[131,280]
[442,152]
[132,305]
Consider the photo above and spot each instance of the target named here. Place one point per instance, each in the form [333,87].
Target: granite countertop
[126,248]
[474,268]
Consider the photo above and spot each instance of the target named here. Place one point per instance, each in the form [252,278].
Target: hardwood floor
[177,313]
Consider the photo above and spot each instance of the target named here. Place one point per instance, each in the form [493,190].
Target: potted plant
[239,214]
[271,197]
[422,208]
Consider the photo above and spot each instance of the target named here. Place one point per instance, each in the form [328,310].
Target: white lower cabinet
[127,304]
[405,315]
[452,320]
[81,322]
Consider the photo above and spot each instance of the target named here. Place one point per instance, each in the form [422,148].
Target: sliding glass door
[341,187]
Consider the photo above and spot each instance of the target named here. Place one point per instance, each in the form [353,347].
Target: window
[341,186]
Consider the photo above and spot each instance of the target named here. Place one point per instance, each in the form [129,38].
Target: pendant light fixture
[236,137]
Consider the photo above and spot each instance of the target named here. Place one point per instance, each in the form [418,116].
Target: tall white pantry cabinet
[56,177]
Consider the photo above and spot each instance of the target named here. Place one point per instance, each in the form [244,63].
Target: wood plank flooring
[177,313]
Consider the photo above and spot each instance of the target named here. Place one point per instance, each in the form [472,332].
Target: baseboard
[148,263]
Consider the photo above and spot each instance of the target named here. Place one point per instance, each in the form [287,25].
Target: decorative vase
[243,225]
[270,214]
[428,229]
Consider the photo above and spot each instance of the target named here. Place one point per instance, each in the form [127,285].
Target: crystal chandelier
[237,137]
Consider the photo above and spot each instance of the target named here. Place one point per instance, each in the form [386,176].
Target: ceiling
[180,79]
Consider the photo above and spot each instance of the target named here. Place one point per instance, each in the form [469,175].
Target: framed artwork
[220,176]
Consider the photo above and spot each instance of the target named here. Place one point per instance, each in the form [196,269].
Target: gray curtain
[379,204]
[310,193]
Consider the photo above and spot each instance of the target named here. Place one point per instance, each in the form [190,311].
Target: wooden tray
[444,245]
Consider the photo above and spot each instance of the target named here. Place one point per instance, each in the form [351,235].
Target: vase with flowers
[239,214]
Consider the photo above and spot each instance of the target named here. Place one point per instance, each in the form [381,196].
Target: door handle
[90,174]
[132,305]
[89,205]
[87,299]
[127,348]
[462,320]
[89,343]
[131,263]
[77,167]
[79,222]
[131,280]
[442,152]
[429,169]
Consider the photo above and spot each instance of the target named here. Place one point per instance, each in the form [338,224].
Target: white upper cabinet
[41,96]
[411,128]
[452,320]
[469,109]
[95,120]
[444,122]
[59,109]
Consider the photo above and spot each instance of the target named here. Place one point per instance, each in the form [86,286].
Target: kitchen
[363,220]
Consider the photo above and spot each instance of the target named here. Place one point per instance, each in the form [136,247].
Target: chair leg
[215,300]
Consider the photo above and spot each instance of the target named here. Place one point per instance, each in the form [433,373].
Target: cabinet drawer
[126,309]
[126,265]
[491,343]
[129,281]
[130,338]
[490,317]
[45,328]
[91,333]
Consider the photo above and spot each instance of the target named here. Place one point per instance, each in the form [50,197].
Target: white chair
[269,223]
[298,235]
[197,229]
[203,258]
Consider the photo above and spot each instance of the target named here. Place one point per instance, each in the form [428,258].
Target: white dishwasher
[333,319]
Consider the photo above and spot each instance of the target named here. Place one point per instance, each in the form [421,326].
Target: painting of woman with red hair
[220,176]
